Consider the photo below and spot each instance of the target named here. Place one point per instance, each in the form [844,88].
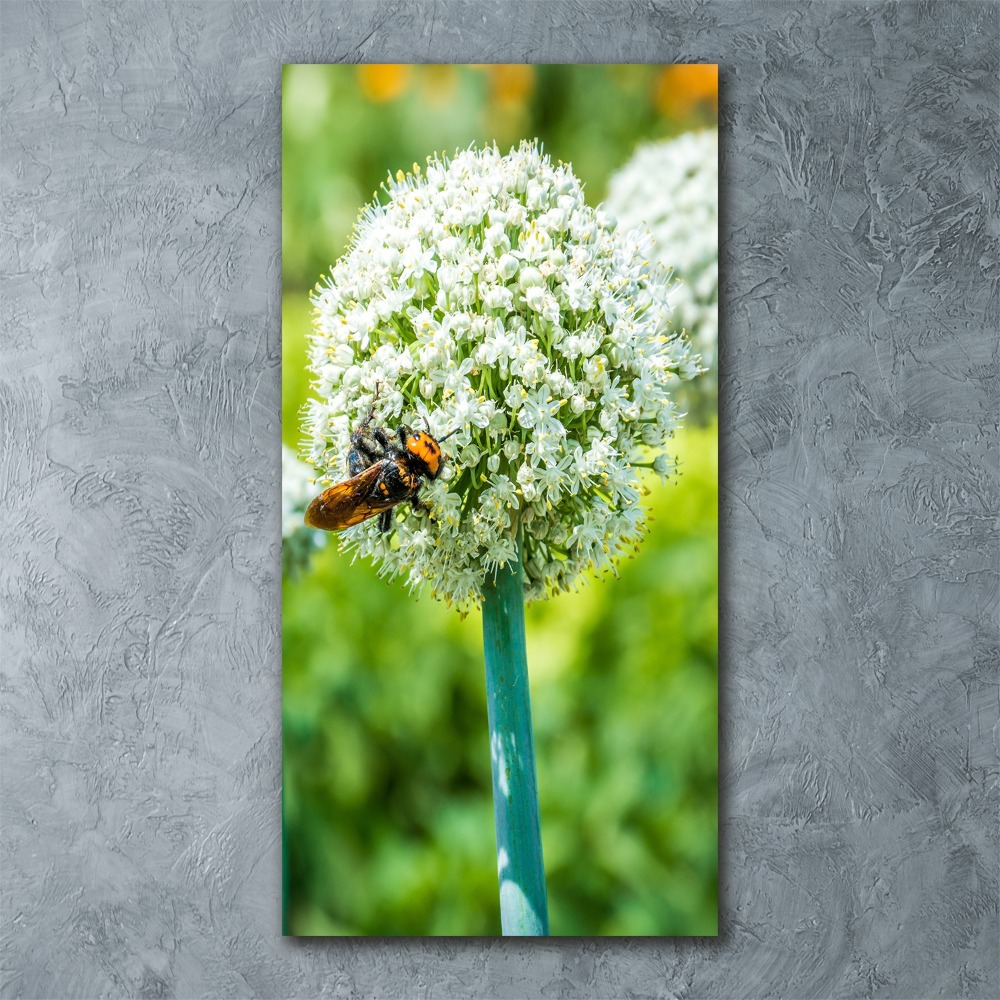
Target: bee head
[421,446]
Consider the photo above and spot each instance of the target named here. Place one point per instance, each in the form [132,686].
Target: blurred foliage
[346,127]
[388,808]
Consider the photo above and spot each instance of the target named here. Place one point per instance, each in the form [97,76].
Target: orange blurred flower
[381,82]
[511,84]
[683,90]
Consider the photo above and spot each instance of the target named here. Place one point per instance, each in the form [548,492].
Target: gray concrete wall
[139,409]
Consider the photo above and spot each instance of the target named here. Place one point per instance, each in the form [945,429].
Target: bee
[384,470]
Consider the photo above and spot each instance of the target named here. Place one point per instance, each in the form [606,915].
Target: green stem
[523,905]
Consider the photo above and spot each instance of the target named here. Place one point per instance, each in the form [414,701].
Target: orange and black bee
[385,470]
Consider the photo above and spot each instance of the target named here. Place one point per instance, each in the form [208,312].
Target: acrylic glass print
[500,333]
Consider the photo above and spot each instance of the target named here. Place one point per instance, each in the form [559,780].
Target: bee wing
[349,502]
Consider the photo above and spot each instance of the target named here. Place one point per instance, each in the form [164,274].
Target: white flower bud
[535,298]
[531,277]
[507,266]
[663,465]
[498,297]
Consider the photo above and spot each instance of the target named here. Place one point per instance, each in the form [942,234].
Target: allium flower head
[672,188]
[485,295]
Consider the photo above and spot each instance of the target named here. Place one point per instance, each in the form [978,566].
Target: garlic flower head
[484,295]
[672,188]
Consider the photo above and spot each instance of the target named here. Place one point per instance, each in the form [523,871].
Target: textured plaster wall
[139,410]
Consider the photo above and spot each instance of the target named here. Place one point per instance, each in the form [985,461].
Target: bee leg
[385,521]
[371,412]
[367,448]
[358,459]
[417,504]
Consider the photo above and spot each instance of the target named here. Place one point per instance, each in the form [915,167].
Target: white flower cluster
[486,296]
[297,489]
[673,189]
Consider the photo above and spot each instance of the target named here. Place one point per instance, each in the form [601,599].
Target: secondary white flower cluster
[486,296]
[673,189]
[298,541]
[296,491]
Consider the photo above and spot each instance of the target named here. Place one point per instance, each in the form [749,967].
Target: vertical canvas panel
[388,822]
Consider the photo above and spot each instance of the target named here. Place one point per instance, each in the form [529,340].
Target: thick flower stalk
[672,188]
[483,295]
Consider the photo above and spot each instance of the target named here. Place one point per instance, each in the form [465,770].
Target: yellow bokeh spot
[438,83]
[511,84]
[381,82]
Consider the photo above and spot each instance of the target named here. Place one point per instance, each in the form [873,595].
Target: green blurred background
[387,793]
